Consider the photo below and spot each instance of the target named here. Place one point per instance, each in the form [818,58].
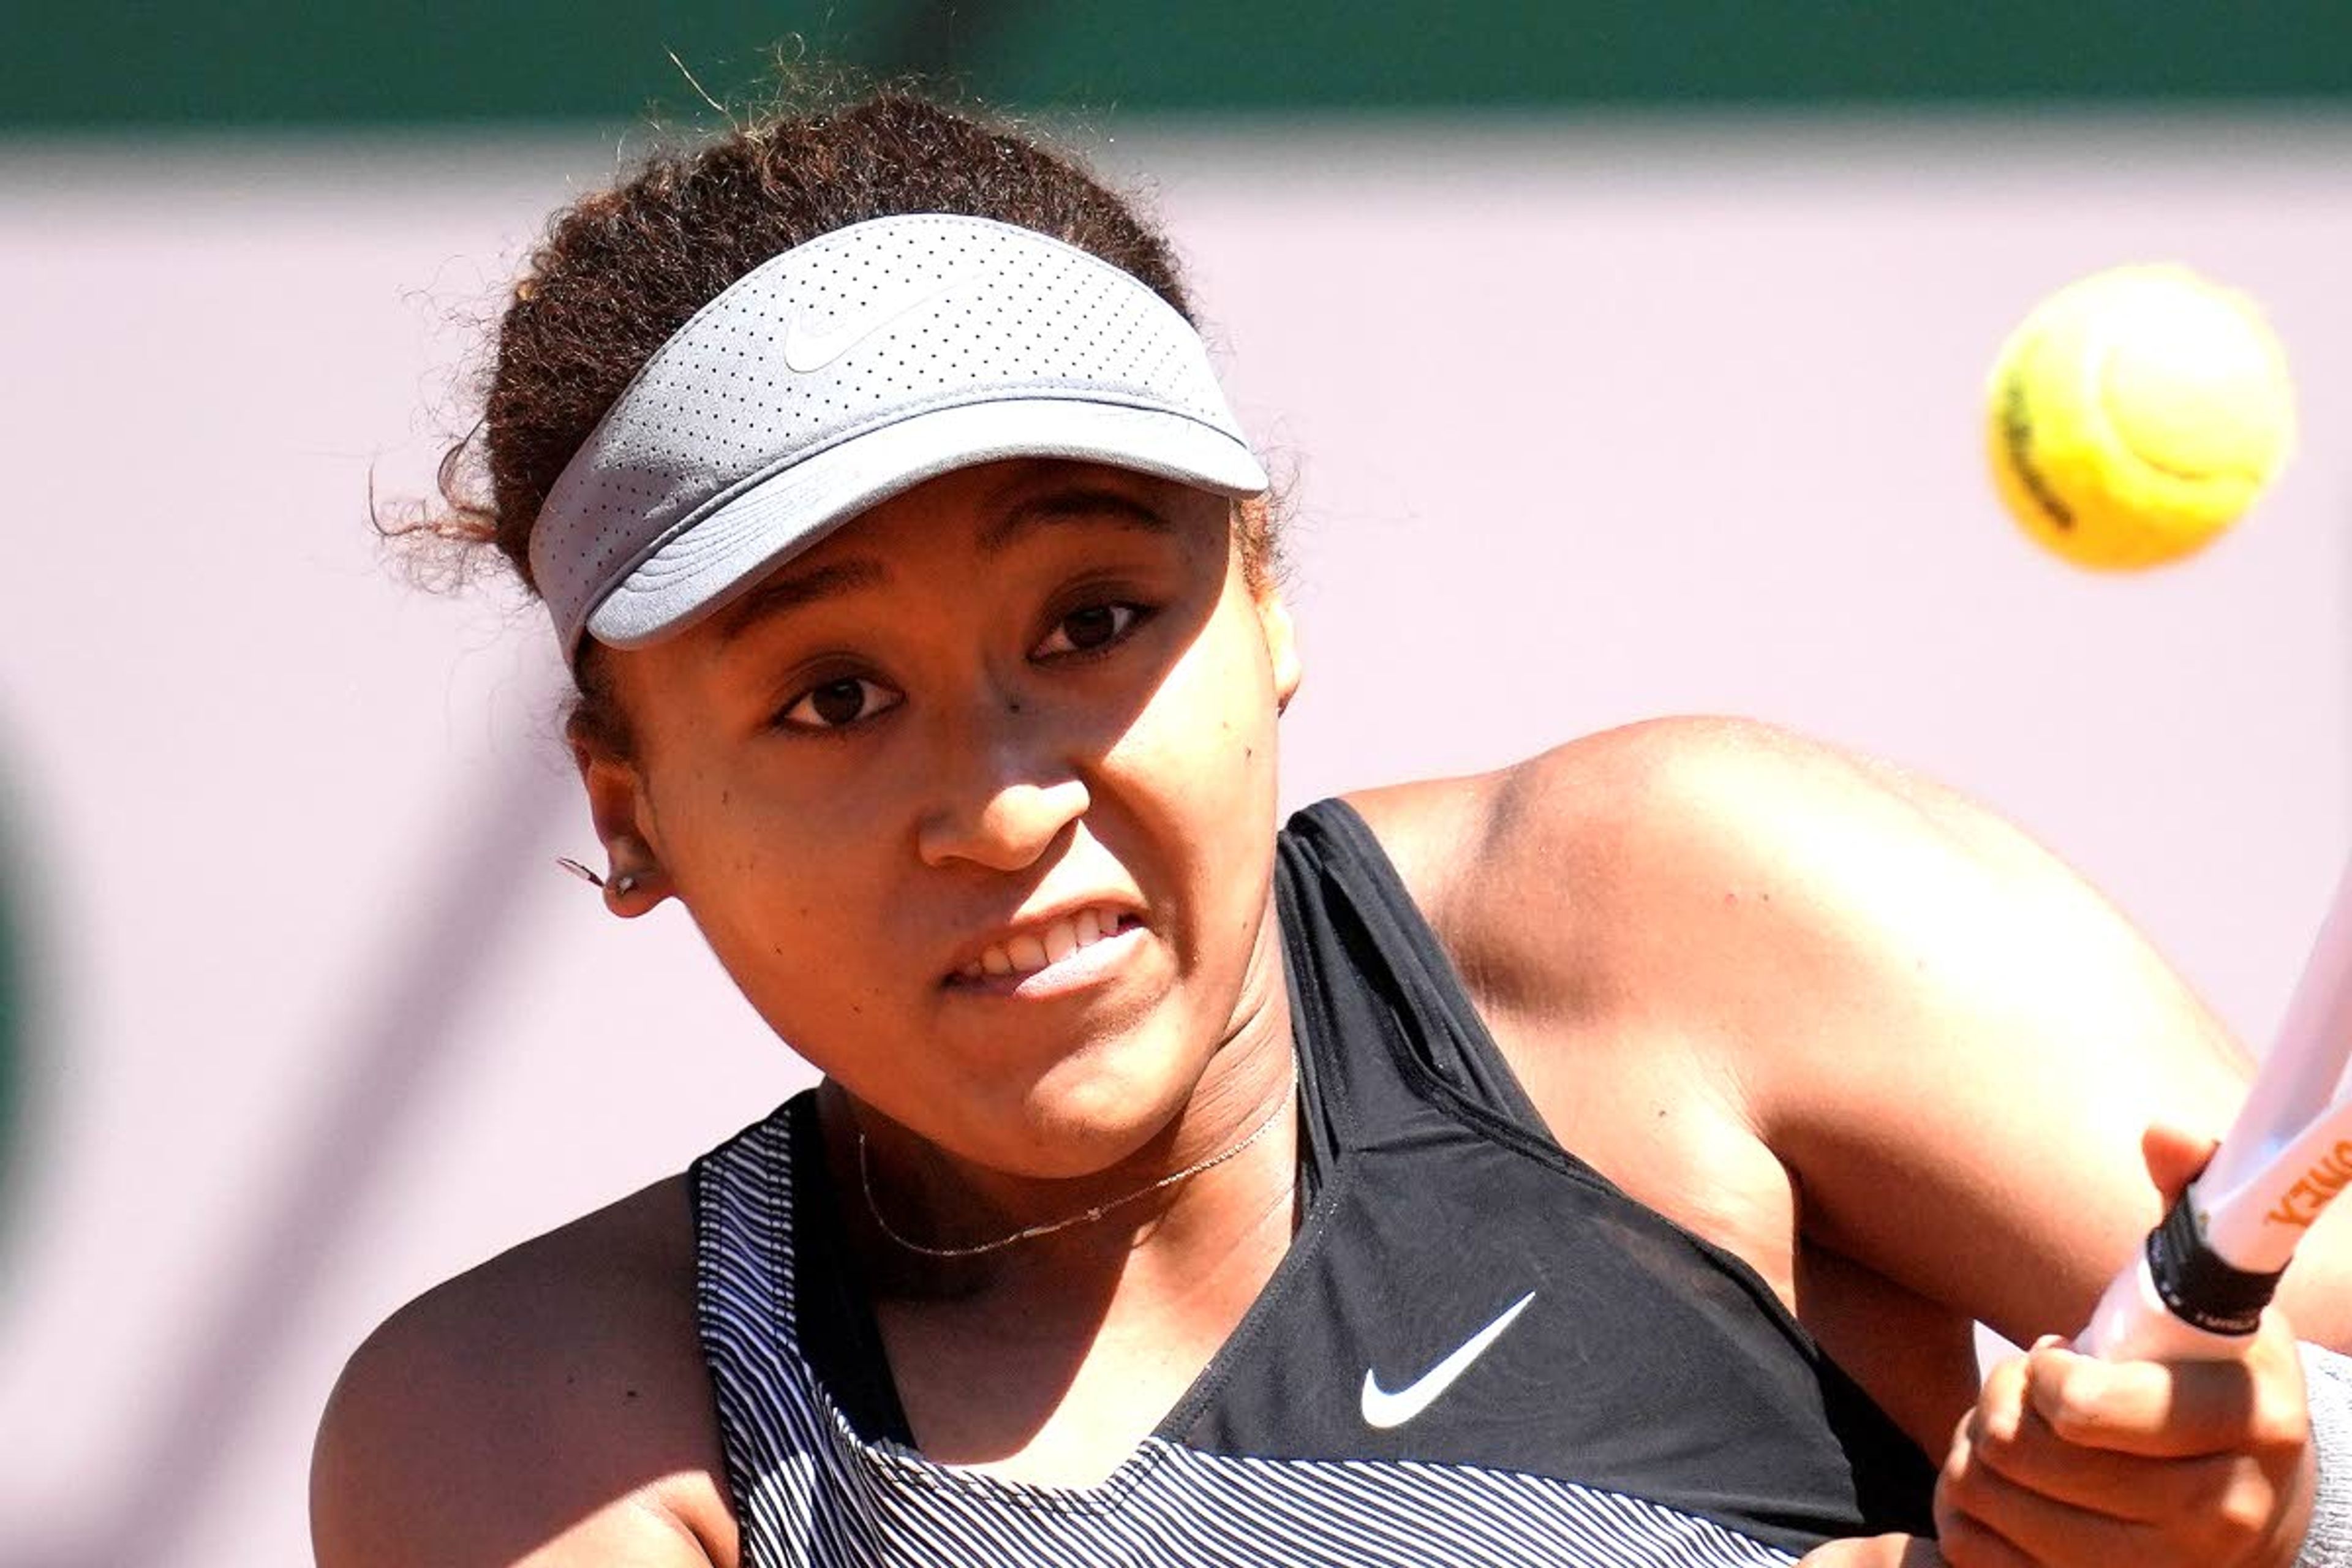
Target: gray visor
[845,371]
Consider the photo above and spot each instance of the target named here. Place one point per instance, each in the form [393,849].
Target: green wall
[283,63]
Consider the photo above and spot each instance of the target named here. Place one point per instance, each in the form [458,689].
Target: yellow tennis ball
[2136,414]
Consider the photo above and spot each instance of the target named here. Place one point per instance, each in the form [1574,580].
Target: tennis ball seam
[2016,435]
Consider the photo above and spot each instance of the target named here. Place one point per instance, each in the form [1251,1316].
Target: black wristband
[2204,1291]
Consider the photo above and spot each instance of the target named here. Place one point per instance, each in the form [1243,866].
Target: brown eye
[1094,627]
[838,703]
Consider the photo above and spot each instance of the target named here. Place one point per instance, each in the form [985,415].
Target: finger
[2174,1155]
[2219,1501]
[2020,1447]
[1982,1516]
[1963,1536]
[1874,1551]
[1965,1542]
[2173,1410]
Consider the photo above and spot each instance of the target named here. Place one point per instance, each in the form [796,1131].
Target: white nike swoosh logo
[1384,1410]
[807,350]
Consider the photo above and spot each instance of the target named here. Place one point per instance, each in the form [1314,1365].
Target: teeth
[1029,953]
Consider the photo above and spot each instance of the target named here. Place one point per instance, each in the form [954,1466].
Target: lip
[1088,965]
[1091,965]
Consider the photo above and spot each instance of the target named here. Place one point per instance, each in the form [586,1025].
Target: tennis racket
[2201,1283]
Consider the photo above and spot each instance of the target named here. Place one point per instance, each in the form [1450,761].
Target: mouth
[1048,945]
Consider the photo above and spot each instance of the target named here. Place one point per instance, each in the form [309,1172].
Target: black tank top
[1476,1350]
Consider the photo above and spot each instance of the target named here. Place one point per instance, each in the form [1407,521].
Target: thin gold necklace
[1031,1233]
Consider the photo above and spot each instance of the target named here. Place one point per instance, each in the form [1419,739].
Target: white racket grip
[2131,1322]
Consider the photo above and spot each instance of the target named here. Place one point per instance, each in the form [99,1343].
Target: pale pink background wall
[1586,422]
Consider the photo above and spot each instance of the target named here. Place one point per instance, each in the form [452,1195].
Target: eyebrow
[779,594]
[1070,506]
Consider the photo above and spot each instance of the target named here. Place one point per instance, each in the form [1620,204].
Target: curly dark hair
[622,269]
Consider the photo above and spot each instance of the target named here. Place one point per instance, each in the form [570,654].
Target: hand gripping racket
[2199,1285]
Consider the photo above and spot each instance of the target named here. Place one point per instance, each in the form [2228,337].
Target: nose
[1001,800]
[1008,829]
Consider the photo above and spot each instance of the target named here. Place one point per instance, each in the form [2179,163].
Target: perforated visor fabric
[852,368]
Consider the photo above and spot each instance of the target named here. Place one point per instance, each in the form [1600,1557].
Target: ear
[635,882]
[1281,645]
[1253,532]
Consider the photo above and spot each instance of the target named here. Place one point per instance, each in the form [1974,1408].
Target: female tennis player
[1600,1161]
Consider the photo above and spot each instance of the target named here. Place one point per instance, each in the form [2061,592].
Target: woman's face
[975,801]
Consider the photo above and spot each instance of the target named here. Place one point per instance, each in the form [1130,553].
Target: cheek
[782,885]
[1203,749]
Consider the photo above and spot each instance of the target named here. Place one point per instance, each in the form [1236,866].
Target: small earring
[620,887]
[577,869]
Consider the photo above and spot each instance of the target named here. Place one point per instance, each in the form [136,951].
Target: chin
[1095,1108]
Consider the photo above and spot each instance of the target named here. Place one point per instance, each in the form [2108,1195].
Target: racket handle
[2179,1301]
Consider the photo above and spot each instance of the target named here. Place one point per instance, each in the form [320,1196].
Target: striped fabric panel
[809,1491]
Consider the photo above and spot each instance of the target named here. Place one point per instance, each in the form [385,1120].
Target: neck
[937,1226]
[1208,1174]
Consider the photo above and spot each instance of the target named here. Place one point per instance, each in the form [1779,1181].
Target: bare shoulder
[1594,800]
[1673,848]
[548,1408]
[1549,861]
[1656,773]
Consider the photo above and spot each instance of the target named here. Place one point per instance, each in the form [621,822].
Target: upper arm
[405,1475]
[1951,1044]
[510,1418]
